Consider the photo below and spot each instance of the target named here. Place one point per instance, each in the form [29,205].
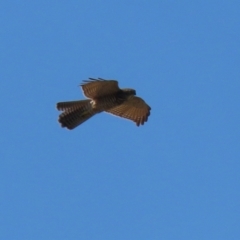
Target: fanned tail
[74,113]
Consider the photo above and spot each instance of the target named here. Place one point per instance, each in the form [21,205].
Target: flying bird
[103,96]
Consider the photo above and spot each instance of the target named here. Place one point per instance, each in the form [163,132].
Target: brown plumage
[104,95]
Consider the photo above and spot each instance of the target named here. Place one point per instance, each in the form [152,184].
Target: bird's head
[129,91]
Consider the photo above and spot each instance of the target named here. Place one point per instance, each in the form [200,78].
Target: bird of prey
[103,96]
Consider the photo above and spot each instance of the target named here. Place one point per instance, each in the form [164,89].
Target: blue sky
[176,177]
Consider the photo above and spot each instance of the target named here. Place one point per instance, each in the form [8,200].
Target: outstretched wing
[95,88]
[135,109]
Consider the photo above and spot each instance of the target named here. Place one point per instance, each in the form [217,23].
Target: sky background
[176,177]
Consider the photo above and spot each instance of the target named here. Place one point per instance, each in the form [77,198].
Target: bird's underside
[103,95]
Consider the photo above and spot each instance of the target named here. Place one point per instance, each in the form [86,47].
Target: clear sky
[176,177]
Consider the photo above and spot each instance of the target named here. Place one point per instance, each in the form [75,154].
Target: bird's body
[104,95]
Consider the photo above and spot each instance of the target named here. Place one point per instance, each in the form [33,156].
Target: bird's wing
[135,109]
[95,88]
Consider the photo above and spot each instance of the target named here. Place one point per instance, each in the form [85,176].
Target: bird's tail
[74,113]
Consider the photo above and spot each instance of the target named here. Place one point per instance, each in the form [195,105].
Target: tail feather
[75,113]
[61,106]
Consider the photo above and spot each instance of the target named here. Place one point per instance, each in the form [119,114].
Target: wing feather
[135,109]
[95,88]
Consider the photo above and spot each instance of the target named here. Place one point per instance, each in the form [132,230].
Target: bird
[103,96]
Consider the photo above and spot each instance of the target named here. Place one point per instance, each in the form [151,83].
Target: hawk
[103,96]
